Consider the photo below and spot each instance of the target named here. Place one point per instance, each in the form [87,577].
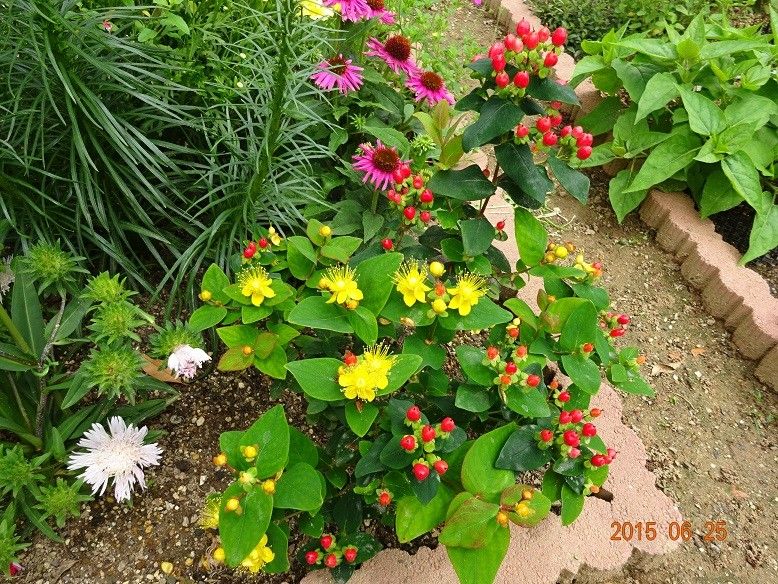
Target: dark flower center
[431,80]
[385,159]
[337,65]
[398,47]
[376,4]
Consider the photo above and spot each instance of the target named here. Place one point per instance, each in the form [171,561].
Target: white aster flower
[6,276]
[120,455]
[186,360]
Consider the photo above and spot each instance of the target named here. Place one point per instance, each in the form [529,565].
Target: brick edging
[737,295]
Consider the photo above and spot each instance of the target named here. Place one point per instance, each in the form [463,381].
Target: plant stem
[5,319]
[18,399]
[43,396]
[486,200]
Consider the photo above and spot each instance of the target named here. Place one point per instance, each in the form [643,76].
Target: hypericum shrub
[432,386]
[695,111]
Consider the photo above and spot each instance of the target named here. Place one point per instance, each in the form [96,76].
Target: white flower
[120,455]
[185,361]
[6,276]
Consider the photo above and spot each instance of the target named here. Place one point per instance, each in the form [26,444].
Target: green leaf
[484,315]
[404,367]
[471,361]
[270,435]
[71,319]
[672,155]
[314,312]
[705,117]
[624,202]
[251,314]
[531,237]
[473,399]
[574,182]
[601,119]
[274,364]
[658,48]
[530,404]
[392,138]
[302,448]
[718,194]
[632,78]
[215,281]
[750,109]
[546,89]
[764,235]
[497,117]
[480,566]
[518,164]
[360,422]
[176,21]
[414,519]
[374,279]
[206,316]
[585,67]
[471,525]
[277,541]
[300,256]
[521,309]
[26,312]
[468,184]
[394,456]
[364,323]
[341,248]
[238,336]
[235,360]
[580,328]
[521,453]
[660,90]
[318,378]
[240,532]
[745,179]
[572,505]
[478,473]
[433,355]
[539,505]
[719,49]
[583,371]
[556,314]
[477,236]
[300,487]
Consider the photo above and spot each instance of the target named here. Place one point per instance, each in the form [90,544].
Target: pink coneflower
[338,72]
[396,52]
[378,163]
[353,10]
[378,10]
[430,86]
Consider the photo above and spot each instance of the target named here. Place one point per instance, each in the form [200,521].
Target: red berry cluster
[330,554]
[507,370]
[617,324]
[545,135]
[424,436]
[252,247]
[532,52]
[573,428]
[411,195]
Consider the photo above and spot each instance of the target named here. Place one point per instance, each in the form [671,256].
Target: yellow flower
[466,293]
[273,236]
[342,285]
[258,557]
[379,363]
[209,516]
[439,306]
[255,283]
[410,283]
[315,9]
[358,382]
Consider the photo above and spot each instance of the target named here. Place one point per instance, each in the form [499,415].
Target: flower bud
[437,269]
[325,231]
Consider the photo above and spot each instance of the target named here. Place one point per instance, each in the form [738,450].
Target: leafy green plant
[700,115]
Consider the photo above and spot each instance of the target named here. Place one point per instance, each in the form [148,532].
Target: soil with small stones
[709,434]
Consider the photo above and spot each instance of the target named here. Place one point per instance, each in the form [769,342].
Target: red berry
[571,438]
[589,430]
[410,213]
[492,353]
[521,79]
[555,105]
[408,443]
[350,554]
[543,124]
[598,460]
[611,453]
[384,499]
[398,176]
[349,359]
[441,466]
[447,425]
[502,80]
[326,541]
[556,120]
[533,380]
[262,243]
[387,244]
[531,40]
[249,252]
[584,140]
[421,471]
[597,265]
[576,416]
[617,332]
[521,351]
[406,170]
[523,27]
[577,132]
[500,225]
[543,34]
[513,333]
[550,60]
[587,347]
[513,43]
[311,557]
[426,196]
[496,49]
[418,182]
[522,131]
[564,418]
[584,152]
[595,412]
[510,368]
[425,216]
[506,379]
[623,319]
[498,62]
[574,453]
[564,396]
[549,138]
[413,414]
[428,433]
[331,561]
[566,131]
[559,36]
[546,435]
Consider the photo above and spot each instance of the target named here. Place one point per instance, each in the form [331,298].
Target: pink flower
[477,2]
[14,568]
[396,52]
[378,10]
[430,86]
[378,163]
[338,72]
[107,26]
[353,10]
